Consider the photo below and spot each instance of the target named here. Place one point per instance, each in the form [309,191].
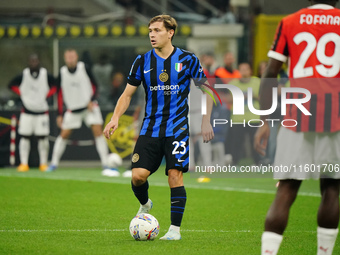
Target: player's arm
[268,81]
[206,128]
[60,101]
[52,84]
[199,77]
[121,107]
[15,83]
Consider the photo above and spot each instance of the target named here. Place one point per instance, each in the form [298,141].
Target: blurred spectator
[102,72]
[227,72]
[220,131]
[239,131]
[118,84]
[223,76]
[209,66]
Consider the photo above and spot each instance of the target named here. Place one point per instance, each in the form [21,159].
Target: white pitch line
[126,230]
[50,176]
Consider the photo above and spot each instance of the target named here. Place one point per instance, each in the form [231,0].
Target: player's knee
[137,178]
[330,188]
[175,178]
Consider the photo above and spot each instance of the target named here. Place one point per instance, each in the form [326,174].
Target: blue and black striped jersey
[167,84]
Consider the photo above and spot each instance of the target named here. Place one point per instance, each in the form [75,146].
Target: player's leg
[101,145]
[70,121]
[43,148]
[24,151]
[178,201]
[146,159]
[26,131]
[42,130]
[140,187]
[328,215]
[94,120]
[177,161]
[277,216]
[59,148]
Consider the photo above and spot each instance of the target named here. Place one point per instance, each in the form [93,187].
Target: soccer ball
[114,160]
[144,227]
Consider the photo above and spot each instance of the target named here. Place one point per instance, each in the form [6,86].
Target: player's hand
[207,131]
[59,121]
[261,139]
[110,128]
[90,106]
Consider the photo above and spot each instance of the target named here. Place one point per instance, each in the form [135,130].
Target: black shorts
[149,152]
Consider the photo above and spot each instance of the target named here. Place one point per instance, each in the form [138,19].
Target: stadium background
[119,29]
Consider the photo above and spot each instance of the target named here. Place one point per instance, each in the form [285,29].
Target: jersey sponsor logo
[163,76]
[167,89]
[146,71]
[164,87]
[178,67]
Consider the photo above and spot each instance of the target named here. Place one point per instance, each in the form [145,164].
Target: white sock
[58,150]
[326,240]
[270,243]
[175,228]
[102,149]
[43,147]
[24,150]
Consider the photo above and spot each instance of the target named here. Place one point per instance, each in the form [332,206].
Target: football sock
[141,192]
[24,150]
[43,147]
[178,200]
[270,243]
[102,149]
[58,150]
[174,228]
[326,240]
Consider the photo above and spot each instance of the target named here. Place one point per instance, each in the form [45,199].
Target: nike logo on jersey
[180,160]
[148,70]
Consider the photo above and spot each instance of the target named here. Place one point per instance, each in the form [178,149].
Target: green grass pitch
[78,211]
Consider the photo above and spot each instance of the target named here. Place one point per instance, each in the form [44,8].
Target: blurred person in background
[227,72]
[239,131]
[102,72]
[33,86]
[77,89]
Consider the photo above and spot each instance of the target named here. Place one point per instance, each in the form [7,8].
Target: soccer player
[78,90]
[33,86]
[310,38]
[165,72]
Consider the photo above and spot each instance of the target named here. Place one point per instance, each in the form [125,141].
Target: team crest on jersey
[135,158]
[178,67]
[163,76]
